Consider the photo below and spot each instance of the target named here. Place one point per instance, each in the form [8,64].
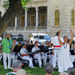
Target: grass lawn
[36,71]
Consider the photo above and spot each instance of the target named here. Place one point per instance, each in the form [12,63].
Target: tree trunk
[15,9]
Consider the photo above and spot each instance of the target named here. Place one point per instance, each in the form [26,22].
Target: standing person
[48,69]
[57,47]
[64,54]
[7,49]
[24,53]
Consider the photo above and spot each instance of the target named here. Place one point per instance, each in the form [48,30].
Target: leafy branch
[6,3]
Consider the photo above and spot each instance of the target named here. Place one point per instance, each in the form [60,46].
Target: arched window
[0,14]
[72,18]
[57,17]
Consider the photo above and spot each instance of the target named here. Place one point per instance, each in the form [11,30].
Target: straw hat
[21,72]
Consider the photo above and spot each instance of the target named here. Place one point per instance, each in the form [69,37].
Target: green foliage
[24,3]
[6,3]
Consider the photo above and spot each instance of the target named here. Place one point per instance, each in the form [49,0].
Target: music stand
[72,52]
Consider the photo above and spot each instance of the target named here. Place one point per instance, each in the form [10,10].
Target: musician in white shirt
[57,47]
[46,45]
[25,56]
[51,52]
[37,56]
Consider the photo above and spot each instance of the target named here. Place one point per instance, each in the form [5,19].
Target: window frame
[40,19]
[30,20]
[72,17]
[24,19]
[57,17]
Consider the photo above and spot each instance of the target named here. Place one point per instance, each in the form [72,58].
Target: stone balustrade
[38,0]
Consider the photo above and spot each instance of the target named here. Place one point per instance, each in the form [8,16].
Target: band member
[46,45]
[51,52]
[13,55]
[25,55]
[26,41]
[64,54]
[57,47]
[7,49]
[37,56]
[14,43]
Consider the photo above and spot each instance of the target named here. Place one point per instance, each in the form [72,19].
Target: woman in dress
[64,61]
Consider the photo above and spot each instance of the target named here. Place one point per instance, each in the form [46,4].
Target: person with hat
[21,72]
[16,66]
[48,69]
[25,55]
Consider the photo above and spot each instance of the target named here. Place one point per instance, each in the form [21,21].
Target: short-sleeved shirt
[23,51]
[35,49]
[55,40]
[6,45]
[11,73]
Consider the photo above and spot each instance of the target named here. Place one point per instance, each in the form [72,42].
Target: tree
[14,9]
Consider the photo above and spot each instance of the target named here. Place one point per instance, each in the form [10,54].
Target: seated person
[48,69]
[38,55]
[51,52]
[16,66]
[16,52]
[25,56]
[21,72]
[28,43]
[45,46]
[17,48]
[71,71]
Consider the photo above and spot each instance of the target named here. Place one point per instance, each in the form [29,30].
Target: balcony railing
[38,0]
[28,27]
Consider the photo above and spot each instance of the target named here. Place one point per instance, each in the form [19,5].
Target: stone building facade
[45,16]
[2,9]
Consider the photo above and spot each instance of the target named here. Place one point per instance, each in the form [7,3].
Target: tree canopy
[14,8]
[6,3]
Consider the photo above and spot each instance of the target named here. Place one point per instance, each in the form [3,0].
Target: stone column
[15,21]
[25,17]
[49,23]
[36,16]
